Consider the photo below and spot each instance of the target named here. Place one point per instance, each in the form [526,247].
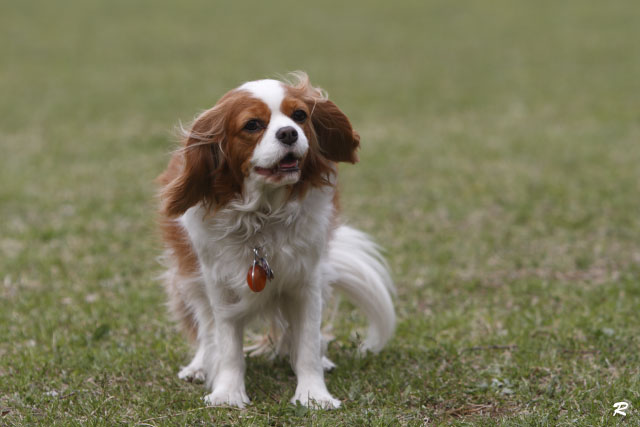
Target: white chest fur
[292,233]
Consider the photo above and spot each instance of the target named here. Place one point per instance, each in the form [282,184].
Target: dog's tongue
[288,163]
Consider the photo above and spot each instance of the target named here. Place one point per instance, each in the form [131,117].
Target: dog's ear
[197,163]
[337,139]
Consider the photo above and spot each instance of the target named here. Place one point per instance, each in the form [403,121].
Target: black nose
[287,135]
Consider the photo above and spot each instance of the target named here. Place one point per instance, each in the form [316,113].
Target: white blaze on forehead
[270,92]
[270,150]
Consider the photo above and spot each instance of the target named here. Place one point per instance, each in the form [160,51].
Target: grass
[499,168]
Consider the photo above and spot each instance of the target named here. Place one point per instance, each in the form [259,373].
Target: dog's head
[266,131]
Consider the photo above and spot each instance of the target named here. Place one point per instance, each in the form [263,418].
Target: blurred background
[499,169]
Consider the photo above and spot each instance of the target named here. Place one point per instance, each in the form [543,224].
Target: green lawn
[500,168]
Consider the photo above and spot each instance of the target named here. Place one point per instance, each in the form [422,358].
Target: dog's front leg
[226,375]
[304,315]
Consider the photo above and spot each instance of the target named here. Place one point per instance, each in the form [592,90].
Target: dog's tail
[361,273]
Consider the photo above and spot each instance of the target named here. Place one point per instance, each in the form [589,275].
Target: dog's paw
[327,364]
[237,398]
[192,374]
[320,399]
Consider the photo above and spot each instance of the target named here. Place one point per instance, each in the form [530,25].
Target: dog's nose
[287,135]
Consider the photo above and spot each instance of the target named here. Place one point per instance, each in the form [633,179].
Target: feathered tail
[360,272]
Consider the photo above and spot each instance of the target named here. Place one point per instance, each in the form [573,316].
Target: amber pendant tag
[259,272]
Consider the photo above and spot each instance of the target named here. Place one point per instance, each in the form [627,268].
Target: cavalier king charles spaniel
[250,220]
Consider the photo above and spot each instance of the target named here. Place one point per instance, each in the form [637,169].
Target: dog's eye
[299,116]
[252,125]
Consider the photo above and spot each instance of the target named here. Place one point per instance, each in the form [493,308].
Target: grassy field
[500,168]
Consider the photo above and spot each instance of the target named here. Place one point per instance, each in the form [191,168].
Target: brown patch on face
[214,158]
[293,103]
[316,170]
[241,142]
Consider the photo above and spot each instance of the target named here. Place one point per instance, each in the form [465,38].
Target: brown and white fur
[259,170]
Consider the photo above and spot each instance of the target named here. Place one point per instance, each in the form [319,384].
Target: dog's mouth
[288,164]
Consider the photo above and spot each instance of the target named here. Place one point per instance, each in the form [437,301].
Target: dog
[249,216]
